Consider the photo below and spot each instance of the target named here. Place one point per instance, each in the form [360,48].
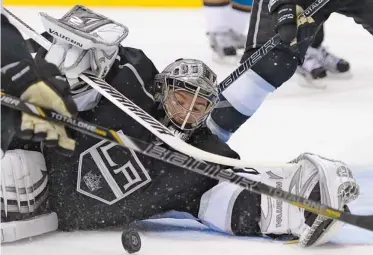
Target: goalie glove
[39,83]
[83,41]
[290,24]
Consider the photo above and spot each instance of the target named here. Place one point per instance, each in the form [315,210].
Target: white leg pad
[17,230]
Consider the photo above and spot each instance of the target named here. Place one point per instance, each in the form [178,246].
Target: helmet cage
[192,119]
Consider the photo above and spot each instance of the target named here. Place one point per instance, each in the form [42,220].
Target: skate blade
[340,76]
[306,81]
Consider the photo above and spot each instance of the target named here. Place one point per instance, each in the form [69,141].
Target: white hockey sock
[217,18]
[239,21]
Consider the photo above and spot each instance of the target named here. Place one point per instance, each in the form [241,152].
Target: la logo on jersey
[109,173]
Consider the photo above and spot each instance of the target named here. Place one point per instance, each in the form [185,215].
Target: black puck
[131,240]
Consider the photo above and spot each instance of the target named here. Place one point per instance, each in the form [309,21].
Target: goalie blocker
[105,185]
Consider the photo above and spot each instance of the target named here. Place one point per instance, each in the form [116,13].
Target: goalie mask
[188,94]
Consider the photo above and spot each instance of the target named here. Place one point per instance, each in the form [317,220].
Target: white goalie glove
[83,41]
[24,194]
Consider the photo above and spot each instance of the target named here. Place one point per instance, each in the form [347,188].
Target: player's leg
[226,27]
[361,12]
[216,13]
[239,21]
[328,60]
[313,177]
[241,100]
[312,69]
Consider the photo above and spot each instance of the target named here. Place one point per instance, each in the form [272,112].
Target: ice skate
[311,73]
[240,40]
[224,47]
[335,65]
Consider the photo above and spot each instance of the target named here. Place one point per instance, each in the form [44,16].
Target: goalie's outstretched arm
[37,82]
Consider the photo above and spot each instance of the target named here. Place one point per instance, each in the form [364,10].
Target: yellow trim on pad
[108,3]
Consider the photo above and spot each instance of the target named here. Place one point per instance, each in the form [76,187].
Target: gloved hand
[291,26]
[83,41]
[40,83]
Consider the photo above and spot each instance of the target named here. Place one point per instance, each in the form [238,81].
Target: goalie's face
[184,108]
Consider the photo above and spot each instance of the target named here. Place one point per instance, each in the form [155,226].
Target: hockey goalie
[103,185]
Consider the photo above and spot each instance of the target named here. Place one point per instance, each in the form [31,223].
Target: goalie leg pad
[337,188]
[24,194]
[17,230]
[23,181]
[326,181]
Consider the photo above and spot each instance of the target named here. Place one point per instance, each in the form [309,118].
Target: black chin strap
[182,134]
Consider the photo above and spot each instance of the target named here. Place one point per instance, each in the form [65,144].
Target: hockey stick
[138,114]
[178,159]
[267,47]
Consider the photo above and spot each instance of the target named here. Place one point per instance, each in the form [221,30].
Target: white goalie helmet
[189,92]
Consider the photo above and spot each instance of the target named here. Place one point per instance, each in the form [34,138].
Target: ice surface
[336,122]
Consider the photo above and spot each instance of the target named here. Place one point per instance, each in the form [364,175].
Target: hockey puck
[131,240]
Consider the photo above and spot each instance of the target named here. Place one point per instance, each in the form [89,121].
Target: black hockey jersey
[103,184]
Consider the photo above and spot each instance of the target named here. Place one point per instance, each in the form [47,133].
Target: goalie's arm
[13,49]
[33,81]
